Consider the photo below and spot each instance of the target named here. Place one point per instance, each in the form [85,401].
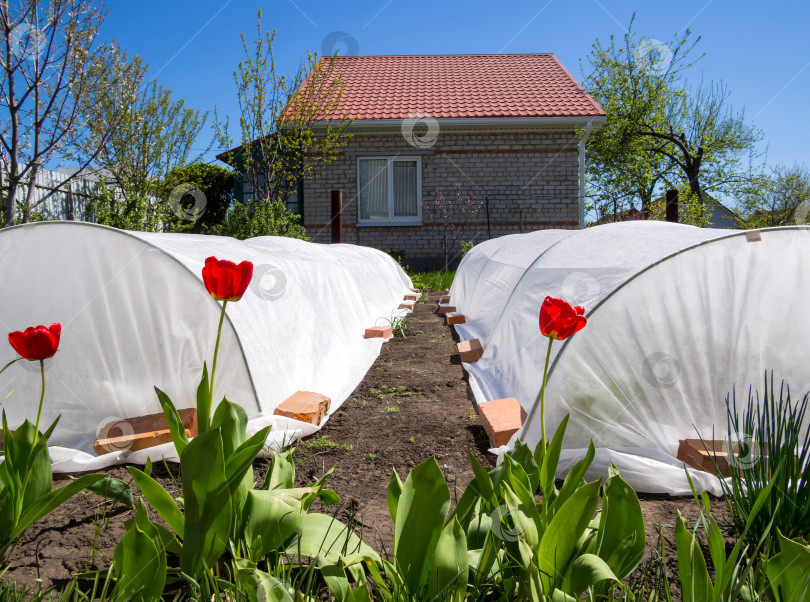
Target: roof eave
[575,121]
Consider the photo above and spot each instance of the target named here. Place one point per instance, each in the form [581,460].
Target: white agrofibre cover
[678,317]
[135,314]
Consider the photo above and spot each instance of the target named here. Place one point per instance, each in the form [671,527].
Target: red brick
[412,297]
[501,418]
[470,351]
[141,432]
[414,290]
[406,305]
[454,319]
[385,332]
[305,406]
[445,299]
[698,454]
[446,309]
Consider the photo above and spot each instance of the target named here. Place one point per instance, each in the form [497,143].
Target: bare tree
[287,125]
[450,217]
[44,67]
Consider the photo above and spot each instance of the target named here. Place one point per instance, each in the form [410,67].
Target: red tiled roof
[459,86]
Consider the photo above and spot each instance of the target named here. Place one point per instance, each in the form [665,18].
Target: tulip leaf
[621,539]
[696,586]
[551,459]
[789,571]
[207,503]
[273,517]
[261,586]
[176,428]
[160,500]
[140,568]
[564,531]
[204,402]
[282,472]
[449,568]
[421,512]
[393,492]
[115,490]
[329,539]
[586,571]
[49,502]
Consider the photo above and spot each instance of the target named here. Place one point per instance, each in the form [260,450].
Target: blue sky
[759,51]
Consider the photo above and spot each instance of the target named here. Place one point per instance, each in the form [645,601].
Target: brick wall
[531,180]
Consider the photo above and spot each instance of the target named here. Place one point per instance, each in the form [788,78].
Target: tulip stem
[543,397]
[41,399]
[207,417]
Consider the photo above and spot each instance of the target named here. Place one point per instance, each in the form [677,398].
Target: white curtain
[373,193]
[405,194]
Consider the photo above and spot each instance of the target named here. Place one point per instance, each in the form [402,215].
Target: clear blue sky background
[760,50]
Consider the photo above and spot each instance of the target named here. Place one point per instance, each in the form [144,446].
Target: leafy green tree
[287,134]
[183,185]
[778,197]
[659,132]
[153,133]
[261,218]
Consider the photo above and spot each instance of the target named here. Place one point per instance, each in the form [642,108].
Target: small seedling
[389,448]
[412,439]
[437,388]
[372,457]
[364,404]
[391,409]
[473,417]
[433,341]
[323,442]
[435,400]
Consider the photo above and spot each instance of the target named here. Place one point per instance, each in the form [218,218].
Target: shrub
[261,218]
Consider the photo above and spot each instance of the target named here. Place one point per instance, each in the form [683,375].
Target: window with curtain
[389,190]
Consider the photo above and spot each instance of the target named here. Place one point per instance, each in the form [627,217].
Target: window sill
[389,222]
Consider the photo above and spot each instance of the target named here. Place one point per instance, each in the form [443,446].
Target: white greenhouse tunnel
[135,314]
[678,318]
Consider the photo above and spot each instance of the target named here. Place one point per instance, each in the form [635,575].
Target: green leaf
[231,419]
[393,492]
[695,583]
[563,532]
[573,480]
[204,402]
[421,512]
[524,457]
[282,472]
[261,586]
[207,503]
[49,502]
[160,500]
[115,490]
[449,567]
[140,568]
[329,539]
[176,428]
[548,469]
[274,517]
[239,461]
[789,571]
[621,538]
[586,571]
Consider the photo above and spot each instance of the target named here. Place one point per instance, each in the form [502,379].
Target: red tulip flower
[225,280]
[559,320]
[36,343]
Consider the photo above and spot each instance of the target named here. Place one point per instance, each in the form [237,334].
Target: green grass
[387,392]
[435,280]
[323,442]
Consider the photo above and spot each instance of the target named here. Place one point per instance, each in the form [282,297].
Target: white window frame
[391,220]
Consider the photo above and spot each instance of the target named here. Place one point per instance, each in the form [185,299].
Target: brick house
[510,129]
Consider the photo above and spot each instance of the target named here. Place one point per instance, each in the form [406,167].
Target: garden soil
[413,403]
